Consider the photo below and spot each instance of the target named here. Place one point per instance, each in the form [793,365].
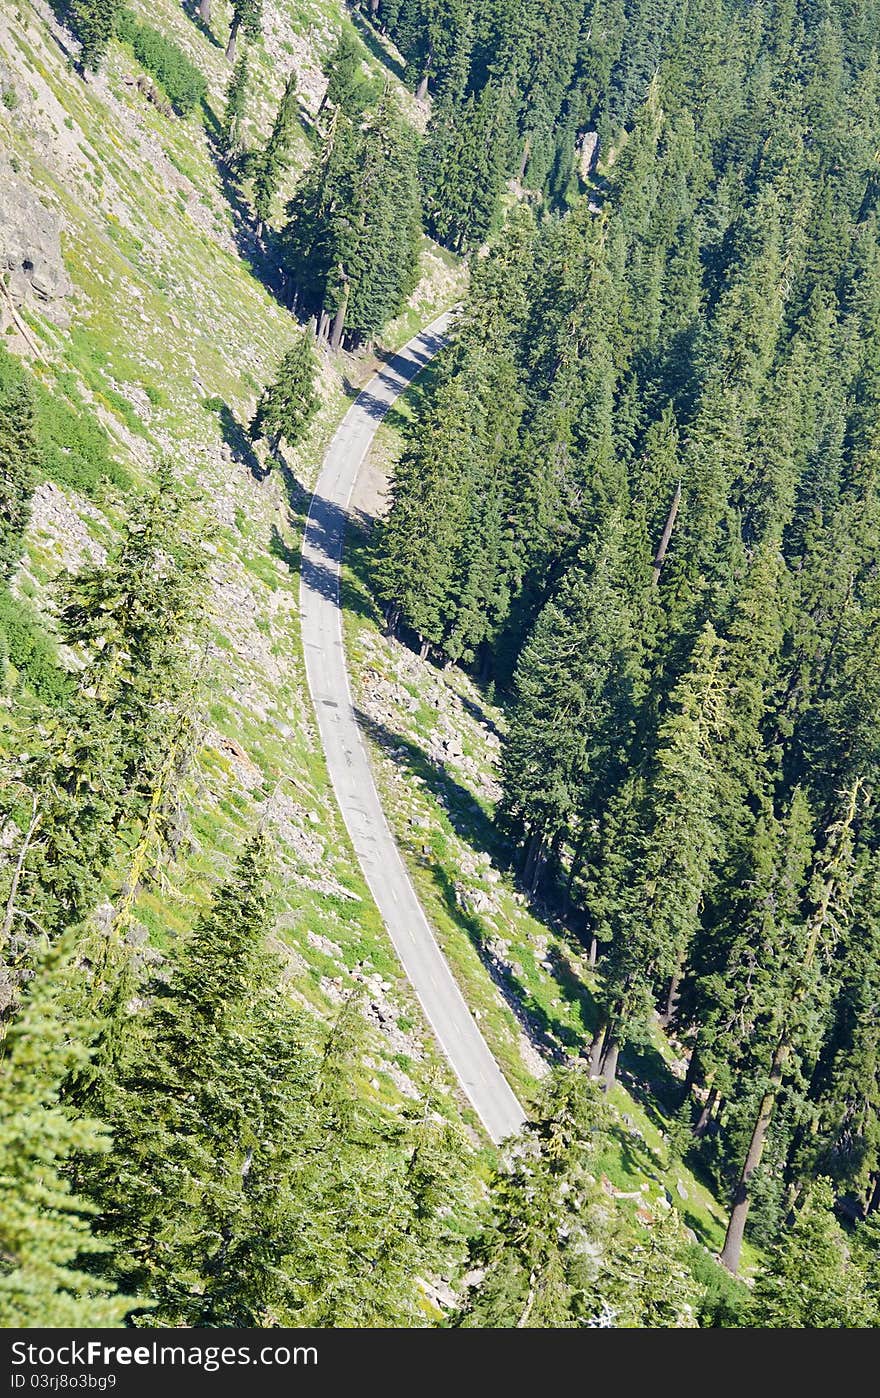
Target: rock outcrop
[31,263]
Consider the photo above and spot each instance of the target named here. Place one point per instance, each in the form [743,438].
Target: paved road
[349,766]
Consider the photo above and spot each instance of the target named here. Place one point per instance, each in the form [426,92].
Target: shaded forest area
[643,498]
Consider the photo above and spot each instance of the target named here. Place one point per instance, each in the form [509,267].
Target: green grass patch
[72,447]
[182,82]
[25,644]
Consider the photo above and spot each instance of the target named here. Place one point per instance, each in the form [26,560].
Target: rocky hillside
[134,286]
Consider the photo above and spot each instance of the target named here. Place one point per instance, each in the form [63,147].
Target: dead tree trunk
[339,318]
[666,535]
[708,1107]
[233,39]
[596,1047]
[16,877]
[609,1062]
[730,1253]
[205,11]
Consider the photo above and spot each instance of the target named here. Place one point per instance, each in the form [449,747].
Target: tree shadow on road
[553,1038]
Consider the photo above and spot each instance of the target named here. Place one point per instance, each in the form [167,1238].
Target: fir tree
[273,161]
[18,461]
[233,113]
[47,1247]
[351,241]
[346,87]
[538,1256]
[206,1111]
[655,890]
[117,751]
[810,1280]
[288,404]
[247,18]
[575,698]
[95,23]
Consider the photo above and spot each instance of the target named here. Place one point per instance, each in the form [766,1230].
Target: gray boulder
[31,264]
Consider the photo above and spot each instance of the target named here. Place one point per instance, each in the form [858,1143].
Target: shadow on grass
[640,1162]
[470,822]
[261,255]
[372,41]
[63,12]
[191,10]
[239,443]
[279,548]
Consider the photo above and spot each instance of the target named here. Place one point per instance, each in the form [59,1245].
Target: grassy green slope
[172,332]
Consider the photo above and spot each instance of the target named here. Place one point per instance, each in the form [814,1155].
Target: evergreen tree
[416,541]
[273,161]
[537,1258]
[47,1247]
[810,1281]
[206,1113]
[654,889]
[374,1197]
[287,405]
[557,1252]
[247,18]
[95,23]
[814,941]
[116,752]
[575,694]
[18,461]
[343,68]
[351,241]
[233,112]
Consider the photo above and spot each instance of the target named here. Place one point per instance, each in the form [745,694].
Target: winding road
[443,1003]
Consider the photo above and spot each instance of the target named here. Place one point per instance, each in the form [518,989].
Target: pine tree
[575,696]
[47,1247]
[274,159]
[351,241]
[343,68]
[207,1111]
[537,1257]
[814,942]
[557,1252]
[112,758]
[234,110]
[287,405]
[655,889]
[95,23]
[374,1196]
[416,542]
[810,1280]
[646,1281]
[247,17]
[18,461]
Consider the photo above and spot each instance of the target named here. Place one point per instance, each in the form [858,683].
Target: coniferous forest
[634,509]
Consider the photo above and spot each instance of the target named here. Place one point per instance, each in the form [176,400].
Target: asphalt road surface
[347,760]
